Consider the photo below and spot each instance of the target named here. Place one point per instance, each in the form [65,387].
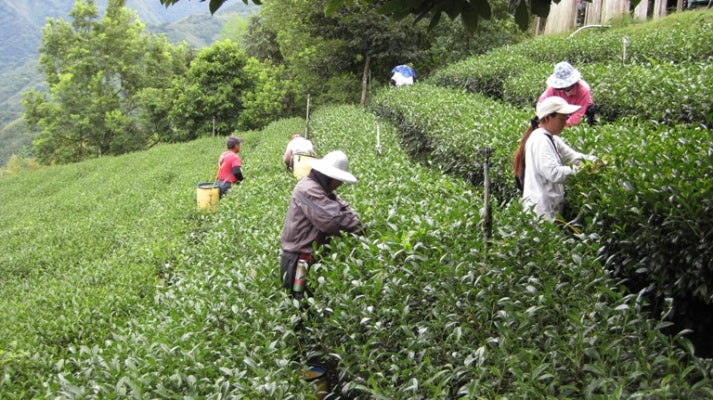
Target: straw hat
[554,104]
[335,165]
[564,76]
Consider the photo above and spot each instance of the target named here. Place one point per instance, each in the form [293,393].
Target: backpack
[520,181]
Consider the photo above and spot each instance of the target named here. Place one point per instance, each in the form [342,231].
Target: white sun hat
[335,165]
[554,104]
[565,75]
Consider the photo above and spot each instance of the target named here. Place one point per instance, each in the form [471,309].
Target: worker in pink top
[229,166]
[566,82]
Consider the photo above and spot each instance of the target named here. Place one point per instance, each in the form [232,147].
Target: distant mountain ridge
[21,23]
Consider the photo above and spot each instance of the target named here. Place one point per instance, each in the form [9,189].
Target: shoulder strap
[554,146]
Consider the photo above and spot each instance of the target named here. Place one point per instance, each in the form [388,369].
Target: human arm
[582,97]
[235,164]
[569,155]
[328,213]
[237,172]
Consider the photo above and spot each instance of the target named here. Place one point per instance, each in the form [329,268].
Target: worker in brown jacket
[315,212]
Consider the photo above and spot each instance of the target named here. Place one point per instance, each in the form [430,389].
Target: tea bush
[82,250]
[634,100]
[674,93]
[654,217]
[670,63]
[669,209]
[484,74]
[680,37]
[116,286]
[448,128]
[418,308]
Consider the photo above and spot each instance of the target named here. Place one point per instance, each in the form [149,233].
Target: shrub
[654,218]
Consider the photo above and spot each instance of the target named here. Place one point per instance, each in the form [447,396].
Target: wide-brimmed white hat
[554,104]
[564,76]
[335,165]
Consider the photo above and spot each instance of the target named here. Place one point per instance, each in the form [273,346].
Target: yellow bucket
[300,165]
[207,195]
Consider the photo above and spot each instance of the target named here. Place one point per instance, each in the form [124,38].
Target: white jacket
[547,165]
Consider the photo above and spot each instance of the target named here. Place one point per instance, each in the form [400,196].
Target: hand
[591,166]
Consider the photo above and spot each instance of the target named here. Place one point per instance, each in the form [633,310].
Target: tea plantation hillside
[116,286]
[649,208]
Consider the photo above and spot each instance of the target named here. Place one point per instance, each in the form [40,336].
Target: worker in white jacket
[544,160]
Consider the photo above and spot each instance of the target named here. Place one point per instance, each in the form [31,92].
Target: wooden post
[487,214]
[365,80]
[307,119]
[378,137]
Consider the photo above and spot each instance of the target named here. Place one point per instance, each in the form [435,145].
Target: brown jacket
[312,215]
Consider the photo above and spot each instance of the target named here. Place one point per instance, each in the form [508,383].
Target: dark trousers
[224,187]
[288,268]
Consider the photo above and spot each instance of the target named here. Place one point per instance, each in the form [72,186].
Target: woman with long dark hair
[543,160]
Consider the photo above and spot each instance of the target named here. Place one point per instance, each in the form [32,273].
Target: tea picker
[230,166]
[314,214]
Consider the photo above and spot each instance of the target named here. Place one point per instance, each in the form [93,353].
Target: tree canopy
[94,68]
[470,11]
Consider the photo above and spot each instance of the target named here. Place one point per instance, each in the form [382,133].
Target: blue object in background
[404,70]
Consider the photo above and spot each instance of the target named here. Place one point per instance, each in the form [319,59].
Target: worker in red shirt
[229,166]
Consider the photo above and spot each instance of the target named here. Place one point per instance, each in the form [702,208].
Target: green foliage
[87,255]
[234,29]
[94,69]
[144,296]
[645,212]
[680,93]
[448,129]
[485,74]
[17,164]
[116,286]
[469,12]
[654,218]
[319,48]
[209,101]
[451,42]
[271,97]
[260,41]
[669,63]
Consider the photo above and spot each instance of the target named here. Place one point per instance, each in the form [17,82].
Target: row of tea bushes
[652,208]
[681,93]
[657,59]
[443,126]
[420,308]
[449,128]
[680,37]
[84,248]
[212,326]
